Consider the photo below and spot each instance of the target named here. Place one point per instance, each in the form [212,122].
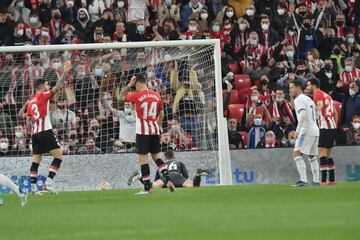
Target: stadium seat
[242,81]
[245,136]
[337,106]
[236,111]
[235,69]
[243,95]
[234,98]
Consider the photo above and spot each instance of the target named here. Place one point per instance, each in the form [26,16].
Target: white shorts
[307,145]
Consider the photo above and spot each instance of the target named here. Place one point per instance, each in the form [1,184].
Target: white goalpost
[186,73]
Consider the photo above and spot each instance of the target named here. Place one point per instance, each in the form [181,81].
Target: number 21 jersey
[38,109]
[147,104]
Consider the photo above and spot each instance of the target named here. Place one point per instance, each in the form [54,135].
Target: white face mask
[281,11]
[150,74]
[70,4]
[352,92]
[250,12]
[45,34]
[4,145]
[290,54]
[128,110]
[242,26]
[19,134]
[279,100]
[20,32]
[350,40]
[254,98]
[57,65]
[348,69]
[265,27]
[257,122]
[216,28]
[120,4]
[192,28]
[356,125]
[310,57]
[230,14]
[204,16]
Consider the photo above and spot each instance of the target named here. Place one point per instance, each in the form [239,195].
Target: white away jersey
[306,115]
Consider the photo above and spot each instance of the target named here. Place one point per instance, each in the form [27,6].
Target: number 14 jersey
[147,105]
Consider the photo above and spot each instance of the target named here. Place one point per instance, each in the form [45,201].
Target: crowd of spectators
[268,42]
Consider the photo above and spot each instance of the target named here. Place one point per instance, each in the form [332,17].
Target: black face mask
[302,14]
[337,51]
[83,19]
[299,72]
[328,67]
[61,107]
[307,25]
[264,82]
[57,16]
[339,23]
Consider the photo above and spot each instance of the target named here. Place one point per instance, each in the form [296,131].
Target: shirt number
[173,166]
[149,112]
[35,110]
[329,108]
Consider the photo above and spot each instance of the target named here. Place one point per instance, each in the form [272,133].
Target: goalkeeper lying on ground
[177,172]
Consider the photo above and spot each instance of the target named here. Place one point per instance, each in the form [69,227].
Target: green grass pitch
[238,212]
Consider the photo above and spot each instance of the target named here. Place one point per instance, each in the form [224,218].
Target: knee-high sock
[54,167]
[162,168]
[301,167]
[331,169]
[6,182]
[197,180]
[33,175]
[323,169]
[314,169]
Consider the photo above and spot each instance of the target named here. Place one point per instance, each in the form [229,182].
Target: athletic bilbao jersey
[147,104]
[38,109]
[326,119]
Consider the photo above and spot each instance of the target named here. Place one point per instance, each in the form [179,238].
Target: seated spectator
[351,46]
[168,9]
[119,34]
[43,38]
[166,143]
[187,10]
[353,134]
[19,11]
[4,146]
[291,140]
[270,141]
[268,37]
[94,131]
[19,144]
[119,8]
[255,106]
[65,118]
[257,132]
[281,127]
[202,18]
[235,138]
[34,26]
[192,32]
[314,64]
[141,33]
[107,21]
[83,26]
[65,146]
[252,18]
[19,36]
[281,108]
[350,104]
[350,74]
[90,147]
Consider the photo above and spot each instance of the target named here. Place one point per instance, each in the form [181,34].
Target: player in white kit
[6,182]
[307,134]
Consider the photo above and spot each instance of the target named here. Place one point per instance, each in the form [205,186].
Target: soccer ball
[104,186]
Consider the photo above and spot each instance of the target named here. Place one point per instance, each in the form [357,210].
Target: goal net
[96,131]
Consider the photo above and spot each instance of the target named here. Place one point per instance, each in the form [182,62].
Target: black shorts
[44,142]
[147,144]
[327,138]
[176,178]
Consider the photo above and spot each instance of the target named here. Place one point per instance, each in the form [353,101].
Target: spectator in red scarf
[56,25]
[34,26]
[268,37]
[192,32]
[227,18]
[281,108]
[341,28]
[239,35]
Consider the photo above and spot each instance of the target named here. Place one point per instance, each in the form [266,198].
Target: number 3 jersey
[306,116]
[38,109]
[326,118]
[147,104]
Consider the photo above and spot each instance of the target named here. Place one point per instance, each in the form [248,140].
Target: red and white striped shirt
[147,104]
[350,77]
[38,109]
[326,118]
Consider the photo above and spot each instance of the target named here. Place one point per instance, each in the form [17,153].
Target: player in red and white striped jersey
[149,116]
[327,121]
[43,138]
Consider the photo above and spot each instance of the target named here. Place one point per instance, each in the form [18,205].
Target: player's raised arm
[127,88]
[61,82]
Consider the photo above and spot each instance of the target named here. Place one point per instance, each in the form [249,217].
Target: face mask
[279,100]
[128,110]
[83,19]
[310,57]
[356,125]
[140,28]
[192,28]
[57,16]
[204,16]
[302,14]
[20,32]
[20,4]
[230,14]
[4,145]
[307,25]
[56,65]
[290,54]
[19,134]
[264,82]
[292,141]
[337,51]
[254,98]
[120,4]
[352,92]
[216,28]
[250,12]
[33,20]
[348,69]
[339,23]
[328,74]
[150,74]
[300,71]
[291,33]
[350,40]
[168,2]
[281,11]
[98,72]
[242,26]
[70,4]
[253,42]
[174,128]
[45,34]
[265,27]
[328,67]
[257,122]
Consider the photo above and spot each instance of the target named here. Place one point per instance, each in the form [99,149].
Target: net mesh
[87,115]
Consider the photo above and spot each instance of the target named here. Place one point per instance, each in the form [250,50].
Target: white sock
[315,169]
[6,182]
[301,167]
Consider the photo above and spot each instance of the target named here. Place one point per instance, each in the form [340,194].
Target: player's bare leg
[54,167]
[158,184]
[162,167]
[36,160]
[188,184]
[331,168]
[323,165]
[301,167]
[314,165]
[6,182]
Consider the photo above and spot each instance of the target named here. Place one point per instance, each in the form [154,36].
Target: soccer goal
[94,128]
